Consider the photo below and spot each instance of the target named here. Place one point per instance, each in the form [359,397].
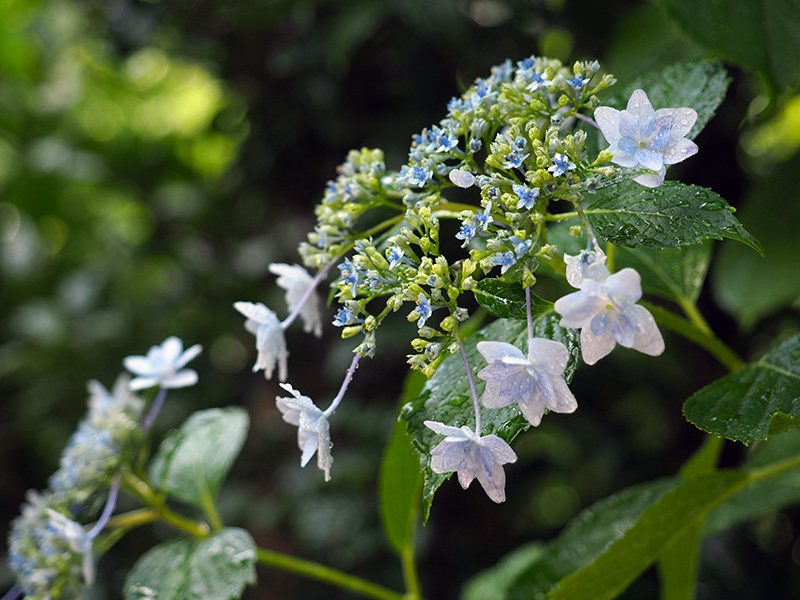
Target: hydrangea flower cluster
[515,141]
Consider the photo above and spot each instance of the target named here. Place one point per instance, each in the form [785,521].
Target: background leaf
[214,568]
[741,405]
[193,461]
[446,396]
[671,216]
[507,300]
[399,479]
[760,35]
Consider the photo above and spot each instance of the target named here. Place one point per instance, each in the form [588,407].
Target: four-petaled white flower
[606,312]
[163,366]
[270,341]
[471,456]
[643,137]
[586,264]
[535,382]
[313,429]
[296,281]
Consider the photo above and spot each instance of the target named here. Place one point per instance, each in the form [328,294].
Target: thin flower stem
[321,274]
[690,308]
[529,316]
[475,403]
[345,384]
[611,254]
[111,503]
[155,408]
[14,593]
[329,575]
[561,216]
[693,333]
[410,572]
[586,119]
[142,490]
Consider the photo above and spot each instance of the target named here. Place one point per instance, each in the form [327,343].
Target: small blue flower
[467,232]
[539,80]
[527,197]
[475,145]
[578,82]
[561,164]
[346,317]
[395,256]
[515,159]
[416,175]
[504,260]
[424,309]
[349,275]
[445,140]
[483,218]
[520,143]
[521,248]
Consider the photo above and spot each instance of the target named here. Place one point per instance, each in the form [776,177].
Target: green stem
[210,508]
[410,576]
[694,333]
[561,216]
[141,489]
[329,575]
[690,308]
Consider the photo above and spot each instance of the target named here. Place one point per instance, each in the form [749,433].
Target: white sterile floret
[607,314]
[587,264]
[313,429]
[296,281]
[163,366]
[643,137]
[471,456]
[462,179]
[270,341]
[535,382]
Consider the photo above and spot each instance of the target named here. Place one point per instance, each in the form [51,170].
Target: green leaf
[742,405]
[446,396]
[672,274]
[399,479]
[767,494]
[671,216]
[760,35]
[659,525]
[751,287]
[507,300]
[677,565]
[585,538]
[193,461]
[493,583]
[214,568]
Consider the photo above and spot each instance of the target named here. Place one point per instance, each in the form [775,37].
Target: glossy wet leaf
[507,300]
[673,274]
[446,396]
[193,461]
[670,216]
[215,568]
[753,402]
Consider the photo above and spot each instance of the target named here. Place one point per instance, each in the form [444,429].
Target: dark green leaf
[673,274]
[586,537]
[446,396]
[399,480]
[742,405]
[677,565]
[507,300]
[613,570]
[493,583]
[671,216]
[193,461]
[760,35]
[215,568]
[766,494]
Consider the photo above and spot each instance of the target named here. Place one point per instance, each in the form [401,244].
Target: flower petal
[649,340]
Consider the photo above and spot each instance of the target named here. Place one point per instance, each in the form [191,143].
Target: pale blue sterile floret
[606,312]
[641,137]
[424,309]
[535,382]
[296,281]
[471,456]
[270,341]
[163,366]
[527,196]
[49,553]
[313,428]
[463,179]
[561,164]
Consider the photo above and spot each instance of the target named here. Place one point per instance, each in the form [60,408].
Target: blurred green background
[155,157]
